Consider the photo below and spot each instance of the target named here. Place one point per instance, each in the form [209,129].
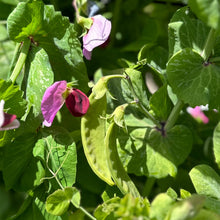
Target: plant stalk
[173,115]
[209,44]
[87,213]
[148,186]
[140,105]
[21,60]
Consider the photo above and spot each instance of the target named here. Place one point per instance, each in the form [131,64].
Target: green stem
[209,44]
[87,213]
[140,105]
[21,60]
[173,115]
[148,186]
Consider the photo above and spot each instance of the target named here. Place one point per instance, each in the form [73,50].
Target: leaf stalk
[21,60]
[174,115]
[209,44]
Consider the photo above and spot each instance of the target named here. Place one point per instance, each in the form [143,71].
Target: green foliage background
[46,173]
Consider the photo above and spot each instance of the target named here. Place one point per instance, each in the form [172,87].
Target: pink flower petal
[77,103]
[2,116]
[87,54]
[198,114]
[97,34]
[7,121]
[52,101]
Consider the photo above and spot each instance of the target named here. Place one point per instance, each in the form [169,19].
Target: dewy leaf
[40,77]
[93,128]
[216,144]
[206,181]
[166,152]
[58,202]
[62,160]
[12,97]
[54,33]
[185,31]
[188,74]
[17,155]
[207,10]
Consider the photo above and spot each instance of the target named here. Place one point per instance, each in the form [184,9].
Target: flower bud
[77,103]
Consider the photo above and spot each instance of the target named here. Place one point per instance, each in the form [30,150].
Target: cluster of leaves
[138,153]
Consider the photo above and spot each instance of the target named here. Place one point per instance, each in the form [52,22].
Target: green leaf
[40,76]
[12,96]
[166,152]
[58,202]
[34,208]
[93,125]
[207,10]
[127,207]
[32,176]
[6,55]
[52,32]
[155,56]
[206,181]
[66,59]
[212,204]
[184,194]
[188,74]
[160,206]
[216,144]
[186,209]
[121,90]
[6,52]
[30,124]
[17,156]
[185,31]
[35,24]
[206,214]
[62,159]
[161,104]
[132,150]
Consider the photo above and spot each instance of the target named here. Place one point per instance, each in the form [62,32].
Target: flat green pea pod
[93,128]
[118,172]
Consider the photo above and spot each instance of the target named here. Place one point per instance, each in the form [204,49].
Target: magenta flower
[198,114]
[7,121]
[58,94]
[97,35]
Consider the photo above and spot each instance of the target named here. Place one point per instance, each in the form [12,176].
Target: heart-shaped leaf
[166,152]
[188,74]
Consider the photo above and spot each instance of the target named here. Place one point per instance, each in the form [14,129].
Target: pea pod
[93,128]
[117,170]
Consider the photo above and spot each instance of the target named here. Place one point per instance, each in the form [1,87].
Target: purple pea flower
[58,94]
[198,114]
[7,121]
[97,35]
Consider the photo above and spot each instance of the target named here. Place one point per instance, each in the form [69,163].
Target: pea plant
[110,109]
